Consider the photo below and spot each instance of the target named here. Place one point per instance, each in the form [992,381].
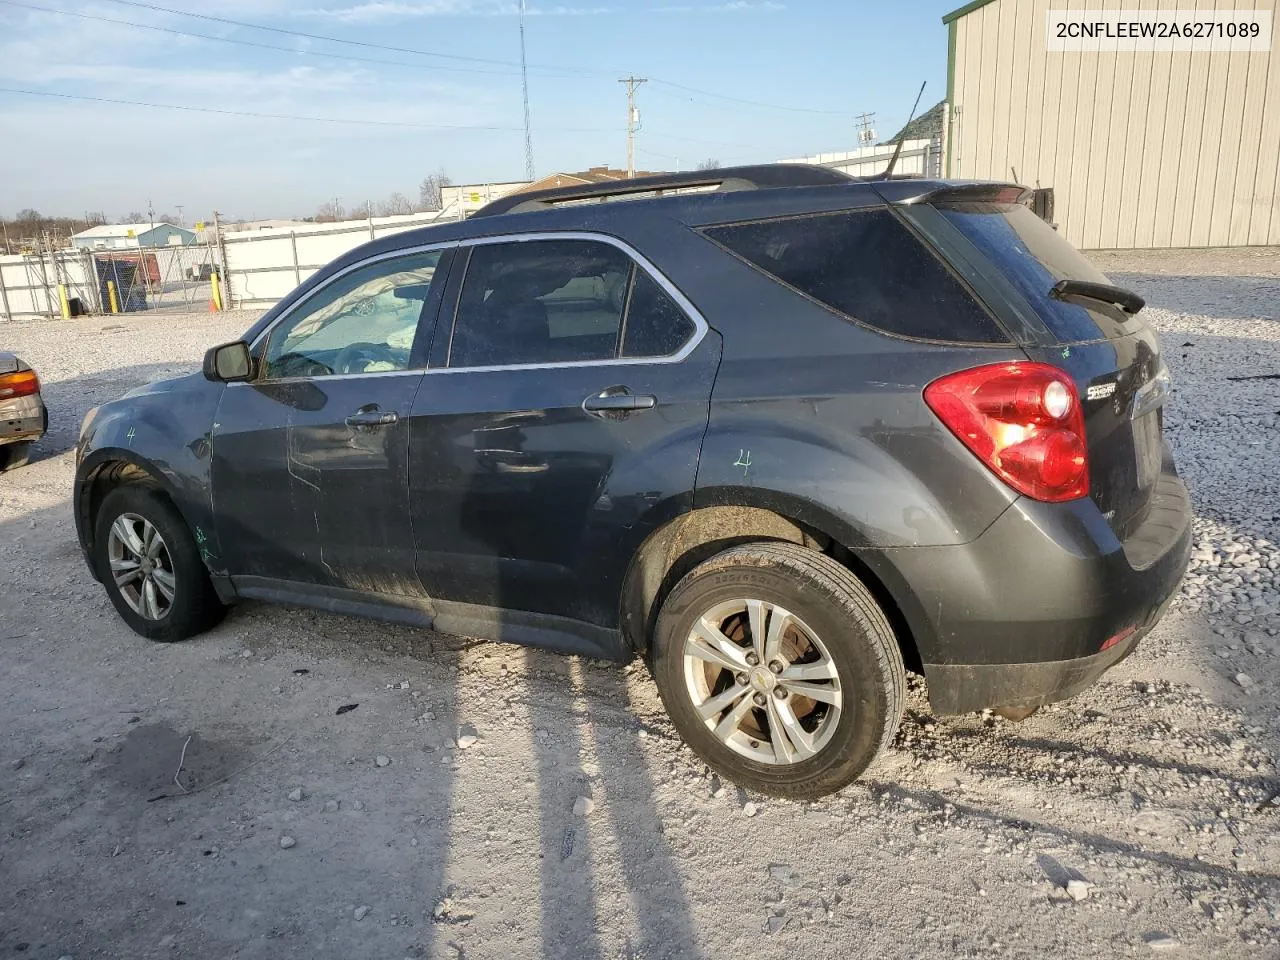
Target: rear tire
[150,565]
[14,455]
[823,689]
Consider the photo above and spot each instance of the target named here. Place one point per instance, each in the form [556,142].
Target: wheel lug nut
[777,666]
[780,692]
[760,700]
[752,659]
[742,679]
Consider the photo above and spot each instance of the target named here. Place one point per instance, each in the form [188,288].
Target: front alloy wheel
[146,557]
[141,566]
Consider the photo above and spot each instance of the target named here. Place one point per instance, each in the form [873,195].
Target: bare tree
[135,217]
[431,188]
[167,218]
[711,163]
[329,211]
[395,205]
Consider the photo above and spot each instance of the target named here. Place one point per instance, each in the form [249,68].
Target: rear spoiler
[977,192]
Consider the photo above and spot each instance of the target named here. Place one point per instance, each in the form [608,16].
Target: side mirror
[229,362]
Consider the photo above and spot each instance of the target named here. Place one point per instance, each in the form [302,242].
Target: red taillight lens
[1023,420]
[21,384]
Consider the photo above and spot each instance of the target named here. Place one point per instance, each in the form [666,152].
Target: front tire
[151,567]
[14,455]
[779,669]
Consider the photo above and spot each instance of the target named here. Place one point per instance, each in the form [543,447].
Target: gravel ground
[209,799]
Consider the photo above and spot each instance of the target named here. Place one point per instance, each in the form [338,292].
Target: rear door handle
[372,418]
[618,401]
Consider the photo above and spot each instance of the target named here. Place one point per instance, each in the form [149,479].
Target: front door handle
[366,417]
[618,402]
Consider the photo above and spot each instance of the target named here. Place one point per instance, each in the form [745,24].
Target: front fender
[165,431]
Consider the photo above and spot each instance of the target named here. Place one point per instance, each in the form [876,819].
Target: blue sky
[807,66]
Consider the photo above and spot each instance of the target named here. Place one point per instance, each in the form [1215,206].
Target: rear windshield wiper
[1126,300]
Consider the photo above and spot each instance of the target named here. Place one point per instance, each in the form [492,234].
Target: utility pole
[524,83]
[633,122]
[866,133]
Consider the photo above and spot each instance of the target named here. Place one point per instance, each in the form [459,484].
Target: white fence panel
[29,283]
[263,266]
[920,158]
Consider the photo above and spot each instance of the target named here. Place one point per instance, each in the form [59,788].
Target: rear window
[1034,256]
[868,266]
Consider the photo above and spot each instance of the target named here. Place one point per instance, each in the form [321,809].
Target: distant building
[1166,147]
[128,236]
[593,175]
[468,198]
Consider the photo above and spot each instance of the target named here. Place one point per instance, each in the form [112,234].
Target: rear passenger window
[867,266]
[560,301]
[656,326]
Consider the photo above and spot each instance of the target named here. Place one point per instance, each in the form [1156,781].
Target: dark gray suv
[784,433]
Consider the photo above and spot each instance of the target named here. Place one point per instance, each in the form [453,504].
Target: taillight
[1023,420]
[21,384]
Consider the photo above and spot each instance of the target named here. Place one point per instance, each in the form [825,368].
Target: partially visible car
[23,416]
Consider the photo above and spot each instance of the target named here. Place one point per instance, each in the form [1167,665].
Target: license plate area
[1146,448]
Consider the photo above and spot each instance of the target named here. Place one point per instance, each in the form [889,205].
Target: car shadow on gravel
[987,819]
[1228,298]
[1047,747]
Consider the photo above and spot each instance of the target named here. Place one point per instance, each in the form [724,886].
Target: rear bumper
[22,418]
[1019,616]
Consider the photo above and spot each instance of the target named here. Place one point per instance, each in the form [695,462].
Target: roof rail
[756,177]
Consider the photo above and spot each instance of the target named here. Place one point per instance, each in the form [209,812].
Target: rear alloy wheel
[779,669]
[151,567]
[762,681]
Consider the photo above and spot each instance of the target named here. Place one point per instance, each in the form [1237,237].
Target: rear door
[1113,357]
[310,459]
[569,398]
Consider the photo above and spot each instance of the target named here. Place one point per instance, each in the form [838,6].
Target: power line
[751,103]
[253,43]
[561,69]
[289,116]
[328,39]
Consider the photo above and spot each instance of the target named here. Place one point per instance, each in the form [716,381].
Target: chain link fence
[39,283]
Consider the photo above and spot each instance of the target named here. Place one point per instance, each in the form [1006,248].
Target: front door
[310,463]
[570,401]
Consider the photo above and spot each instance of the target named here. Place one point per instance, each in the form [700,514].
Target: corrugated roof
[122,229]
[927,126]
[966,9]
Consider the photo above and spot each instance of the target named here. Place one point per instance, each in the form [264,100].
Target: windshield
[1034,256]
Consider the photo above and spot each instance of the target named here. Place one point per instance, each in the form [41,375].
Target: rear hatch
[1093,335]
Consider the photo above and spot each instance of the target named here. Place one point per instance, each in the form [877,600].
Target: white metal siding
[1142,149]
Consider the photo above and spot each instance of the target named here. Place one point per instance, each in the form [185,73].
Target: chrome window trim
[700,324]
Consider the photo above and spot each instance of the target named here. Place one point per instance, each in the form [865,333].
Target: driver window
[363,322]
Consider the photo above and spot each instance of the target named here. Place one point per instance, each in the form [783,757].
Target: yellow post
[111,295]
[216,288]
[62,299]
